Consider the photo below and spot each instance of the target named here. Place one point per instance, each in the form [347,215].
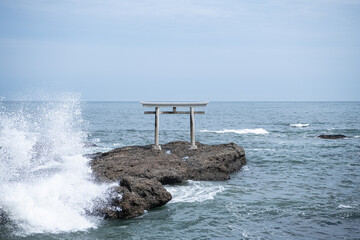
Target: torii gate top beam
[174,104]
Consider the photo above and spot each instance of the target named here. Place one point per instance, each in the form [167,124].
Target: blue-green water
[294,186]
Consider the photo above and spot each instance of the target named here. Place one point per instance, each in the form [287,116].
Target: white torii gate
[174,105]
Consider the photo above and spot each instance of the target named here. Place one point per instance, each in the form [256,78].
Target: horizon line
[183,101]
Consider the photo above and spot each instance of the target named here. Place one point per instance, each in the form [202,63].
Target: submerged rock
[142,171]
[336,136]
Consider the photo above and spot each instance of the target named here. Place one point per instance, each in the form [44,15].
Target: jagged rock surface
[142,171]
[209,162]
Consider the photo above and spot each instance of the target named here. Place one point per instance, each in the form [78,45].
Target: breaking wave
[45,182]
[239,131]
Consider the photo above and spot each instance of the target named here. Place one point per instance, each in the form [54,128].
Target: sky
[181,50]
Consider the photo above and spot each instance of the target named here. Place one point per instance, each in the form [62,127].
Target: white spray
[45,182]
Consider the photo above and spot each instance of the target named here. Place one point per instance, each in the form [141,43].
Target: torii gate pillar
[174,105]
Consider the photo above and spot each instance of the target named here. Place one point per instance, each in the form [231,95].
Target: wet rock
[3,218]
[142,171]
[336,136]
[138,195]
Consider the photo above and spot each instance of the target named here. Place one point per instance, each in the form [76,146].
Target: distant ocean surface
[294,185]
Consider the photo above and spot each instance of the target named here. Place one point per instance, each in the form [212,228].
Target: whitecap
[261,149]
[194,191]
[299,125]
[344,206]
[244,234]
[239,131]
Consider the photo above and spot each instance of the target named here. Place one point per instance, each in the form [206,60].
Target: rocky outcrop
[141,162]
[336,136]
[142,171]
[138,195]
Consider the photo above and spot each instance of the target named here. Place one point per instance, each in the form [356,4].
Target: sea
[295,185]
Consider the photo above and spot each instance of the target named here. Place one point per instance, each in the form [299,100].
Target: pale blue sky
[181,49]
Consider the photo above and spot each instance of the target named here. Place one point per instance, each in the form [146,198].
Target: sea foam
[45,182]
[344,206]
[194,191]
[239,131]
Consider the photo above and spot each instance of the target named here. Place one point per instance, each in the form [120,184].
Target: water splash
[45,183]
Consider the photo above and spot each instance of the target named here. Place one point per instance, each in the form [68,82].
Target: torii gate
[174,105]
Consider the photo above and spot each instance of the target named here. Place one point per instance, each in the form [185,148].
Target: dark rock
[336,136]
[139,161]
[209,162]
[142,170]
[3,218]
[138,195]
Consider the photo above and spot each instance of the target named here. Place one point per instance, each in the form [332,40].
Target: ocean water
[294,186]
